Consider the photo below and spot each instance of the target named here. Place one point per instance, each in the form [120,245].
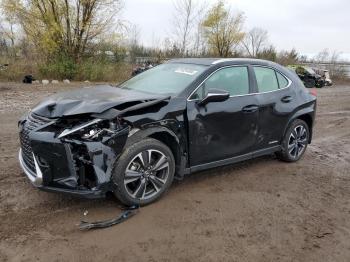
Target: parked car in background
[325,75]
[309,77]
[142,68]
[177,118]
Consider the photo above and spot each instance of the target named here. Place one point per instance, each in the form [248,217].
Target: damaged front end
[72,155]
[71,141]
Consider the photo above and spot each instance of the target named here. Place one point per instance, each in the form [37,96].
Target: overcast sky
[307,25]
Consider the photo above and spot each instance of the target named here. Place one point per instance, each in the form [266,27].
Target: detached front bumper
[37,180]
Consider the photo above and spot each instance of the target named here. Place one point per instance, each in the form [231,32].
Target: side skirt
[232,160]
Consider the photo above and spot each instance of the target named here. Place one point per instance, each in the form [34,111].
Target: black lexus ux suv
[180,117]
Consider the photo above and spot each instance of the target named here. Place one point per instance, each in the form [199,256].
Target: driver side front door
[222,130]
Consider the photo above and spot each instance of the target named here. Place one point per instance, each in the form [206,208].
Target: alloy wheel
[297,141]
[146,174]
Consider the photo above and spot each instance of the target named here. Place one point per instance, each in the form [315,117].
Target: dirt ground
[259,210]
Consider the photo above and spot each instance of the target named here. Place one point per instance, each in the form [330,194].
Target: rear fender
[305,111]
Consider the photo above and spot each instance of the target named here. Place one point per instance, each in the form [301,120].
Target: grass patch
[91,69]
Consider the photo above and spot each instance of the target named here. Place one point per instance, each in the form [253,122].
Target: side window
[234,80]
[266,79]
[200,93]
[282,81]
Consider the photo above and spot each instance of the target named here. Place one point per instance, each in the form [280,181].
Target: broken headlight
[91,129]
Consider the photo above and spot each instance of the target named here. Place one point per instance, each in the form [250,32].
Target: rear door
[276,101]
[221,130]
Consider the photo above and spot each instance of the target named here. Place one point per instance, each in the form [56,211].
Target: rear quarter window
[266,79]
[282,81]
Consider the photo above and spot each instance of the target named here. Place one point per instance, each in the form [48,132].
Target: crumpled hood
[88,100]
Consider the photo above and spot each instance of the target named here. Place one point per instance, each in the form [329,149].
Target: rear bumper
[37,180]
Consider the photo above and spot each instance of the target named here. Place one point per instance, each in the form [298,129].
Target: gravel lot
[258,210]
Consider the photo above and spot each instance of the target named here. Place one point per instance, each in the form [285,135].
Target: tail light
[313,91]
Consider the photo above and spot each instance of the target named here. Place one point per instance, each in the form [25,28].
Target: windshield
[165,79]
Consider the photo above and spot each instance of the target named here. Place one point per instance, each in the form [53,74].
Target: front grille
[32,122]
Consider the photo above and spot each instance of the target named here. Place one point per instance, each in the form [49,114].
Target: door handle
[250,109]
[286,99]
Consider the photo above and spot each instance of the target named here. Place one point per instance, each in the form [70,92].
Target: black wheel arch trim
[180,155]
[300,114]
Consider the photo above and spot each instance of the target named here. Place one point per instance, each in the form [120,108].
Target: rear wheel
[144,172]
[295,141]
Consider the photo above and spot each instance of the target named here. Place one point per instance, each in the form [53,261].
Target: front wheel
[144,172]
[295,141]
[309,83]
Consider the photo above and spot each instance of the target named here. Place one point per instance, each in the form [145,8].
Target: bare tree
[322,56]
[133,35]
[199,43]
[255,41]
[133,39]
[331,62]
[9,33]
[7,28]
[336,69]
[185,17]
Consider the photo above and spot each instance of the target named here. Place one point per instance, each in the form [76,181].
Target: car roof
[216,61]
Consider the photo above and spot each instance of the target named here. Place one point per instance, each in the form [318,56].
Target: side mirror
[214,95]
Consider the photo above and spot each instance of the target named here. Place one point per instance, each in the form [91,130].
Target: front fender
[136,134]
[157,130]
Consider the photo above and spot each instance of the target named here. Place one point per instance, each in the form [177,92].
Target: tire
[140,181]
[310,83]
[295,141]
[319,85]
